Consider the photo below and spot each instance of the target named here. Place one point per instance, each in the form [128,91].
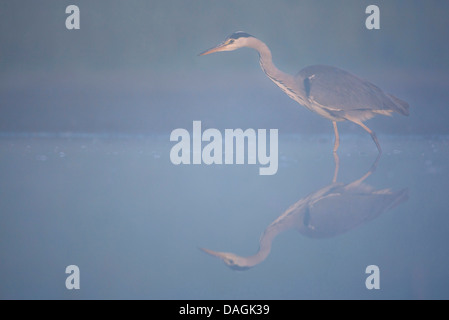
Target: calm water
[133,223]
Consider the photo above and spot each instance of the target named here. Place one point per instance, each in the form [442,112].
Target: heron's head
[235,41]
[233,261]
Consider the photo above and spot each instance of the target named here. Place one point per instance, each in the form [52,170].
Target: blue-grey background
[85,175]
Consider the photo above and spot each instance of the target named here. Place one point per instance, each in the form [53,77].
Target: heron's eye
[231,41]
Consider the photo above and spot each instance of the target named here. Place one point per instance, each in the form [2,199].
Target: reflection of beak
[218,48]
[224,256]
[220,255]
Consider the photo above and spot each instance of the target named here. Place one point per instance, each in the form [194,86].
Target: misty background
[86,177]
[133,66]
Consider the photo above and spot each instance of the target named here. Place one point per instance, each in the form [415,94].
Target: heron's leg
[373,135]
[336,158]
[337,136]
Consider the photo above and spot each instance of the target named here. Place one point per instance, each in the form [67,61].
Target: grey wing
[339,212]
[341,92]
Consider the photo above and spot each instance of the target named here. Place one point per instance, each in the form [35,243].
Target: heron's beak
[217,254]
[220,47]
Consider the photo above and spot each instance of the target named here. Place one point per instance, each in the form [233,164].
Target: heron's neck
[261,255]
[266,61]
[283,80]
[278,226]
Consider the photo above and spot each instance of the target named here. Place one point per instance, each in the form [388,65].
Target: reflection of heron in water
[328,212]
[331,92]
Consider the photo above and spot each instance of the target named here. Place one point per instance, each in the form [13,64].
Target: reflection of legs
[336,158]
[337,166]
[337,136]
[370,171]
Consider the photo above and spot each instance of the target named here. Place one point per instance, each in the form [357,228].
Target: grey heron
[328,212]
[331,92]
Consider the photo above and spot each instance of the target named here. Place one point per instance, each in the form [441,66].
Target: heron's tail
[402,106]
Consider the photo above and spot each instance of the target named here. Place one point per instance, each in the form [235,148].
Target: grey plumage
[333,93]
[342,93]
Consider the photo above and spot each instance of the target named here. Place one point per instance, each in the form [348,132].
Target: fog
[86,177]
[133,67]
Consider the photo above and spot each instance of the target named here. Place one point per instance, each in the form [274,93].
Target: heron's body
[333,93]
[338,95]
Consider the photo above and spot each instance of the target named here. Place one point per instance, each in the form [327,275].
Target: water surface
[133,222]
